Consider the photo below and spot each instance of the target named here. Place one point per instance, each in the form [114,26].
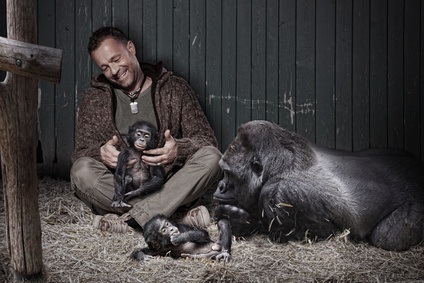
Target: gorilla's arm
[240,221]
[189,234]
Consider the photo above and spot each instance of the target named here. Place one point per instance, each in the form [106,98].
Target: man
[125,92]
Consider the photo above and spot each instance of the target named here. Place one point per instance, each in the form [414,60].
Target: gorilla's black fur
[277,183]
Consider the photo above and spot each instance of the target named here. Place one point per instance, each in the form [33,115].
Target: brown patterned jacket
[176,107]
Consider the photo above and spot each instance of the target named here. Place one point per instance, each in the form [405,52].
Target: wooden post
[18,137]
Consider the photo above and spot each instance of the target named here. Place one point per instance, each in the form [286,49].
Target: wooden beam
[30,60]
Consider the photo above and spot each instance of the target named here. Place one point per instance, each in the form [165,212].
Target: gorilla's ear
[257,166]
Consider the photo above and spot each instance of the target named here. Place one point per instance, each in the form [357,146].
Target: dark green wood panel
[412,79]
[213,65]
[181,39]
[164,35]
[378,73]
[2,29]
[360,75]
[148,31]
[101,16]
[120,14]
[198,49]
[395,73]
[271,68]
[305,69]
[46,112]
[258,67]
[422,80]
[287,64]
[135,26]
[343,75]
[244,61]
[65,91]
[83,30]
[346,74]
[325,72]
[229,71]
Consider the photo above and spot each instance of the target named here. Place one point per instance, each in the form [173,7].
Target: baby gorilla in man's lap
[165,237]
[132,176]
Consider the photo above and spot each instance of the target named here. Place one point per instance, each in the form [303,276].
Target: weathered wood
[378,73]
[325,72]
[305,69]
[30,60]
[229,66]
[258,68]
[287,64]
[343,75]
[213,66]
[65,101]
[360,76]
[18,115]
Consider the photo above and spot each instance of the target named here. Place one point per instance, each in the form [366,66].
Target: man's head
[111,50]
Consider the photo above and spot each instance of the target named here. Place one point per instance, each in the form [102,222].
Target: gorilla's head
[261,151]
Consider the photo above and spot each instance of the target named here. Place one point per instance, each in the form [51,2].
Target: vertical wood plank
[258,79]
[412,77]
[101,16]
[83,30]
[135,26]
[395,74]
[2,30]
[65,100]
[213,65]
[344,75]
[149,31]
[305,69]
[120,15]
[378,73]
[198,49]
[360,75]
[422,80]
[164,35]
[287,64]
[229,70]
[46,111]
[181,39]
[271,83]
[244,61]
[325,72]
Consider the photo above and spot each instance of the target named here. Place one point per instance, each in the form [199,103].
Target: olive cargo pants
[93,184]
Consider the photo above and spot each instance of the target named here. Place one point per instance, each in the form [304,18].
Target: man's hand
[163,155]
[109,153]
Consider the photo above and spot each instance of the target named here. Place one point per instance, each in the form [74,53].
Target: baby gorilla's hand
[176,239]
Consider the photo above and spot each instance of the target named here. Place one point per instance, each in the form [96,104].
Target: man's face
[118,63]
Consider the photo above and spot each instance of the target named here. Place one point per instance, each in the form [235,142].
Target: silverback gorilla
[277,183]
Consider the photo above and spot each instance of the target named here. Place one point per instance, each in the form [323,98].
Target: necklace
[134,95]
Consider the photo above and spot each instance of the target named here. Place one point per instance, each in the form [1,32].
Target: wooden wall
[345,74]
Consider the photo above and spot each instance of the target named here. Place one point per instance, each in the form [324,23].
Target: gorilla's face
[242,175]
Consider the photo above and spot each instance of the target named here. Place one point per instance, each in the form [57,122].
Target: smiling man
[128,91]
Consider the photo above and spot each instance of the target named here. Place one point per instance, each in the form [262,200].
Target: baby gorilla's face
[141,139]
[168,230]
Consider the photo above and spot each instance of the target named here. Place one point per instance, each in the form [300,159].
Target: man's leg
[199,173]
[92,182]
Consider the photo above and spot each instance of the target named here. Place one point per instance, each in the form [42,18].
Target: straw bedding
[74,252]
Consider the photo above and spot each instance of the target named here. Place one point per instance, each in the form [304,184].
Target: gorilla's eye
[257,167]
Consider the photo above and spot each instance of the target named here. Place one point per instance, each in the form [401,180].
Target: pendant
[134,108]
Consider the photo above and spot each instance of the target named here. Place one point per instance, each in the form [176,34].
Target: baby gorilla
[164,237]
[132,176]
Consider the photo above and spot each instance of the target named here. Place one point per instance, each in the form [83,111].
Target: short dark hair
[105,32]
